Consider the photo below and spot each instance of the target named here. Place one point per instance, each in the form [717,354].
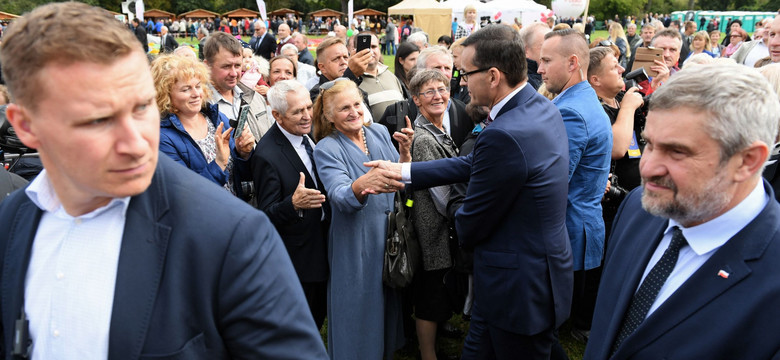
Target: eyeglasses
[605,43]
[431,93]
[330,84]
[736,35]
[465,75]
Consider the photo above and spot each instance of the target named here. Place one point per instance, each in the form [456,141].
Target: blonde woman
[618,37]
[701,44]
[470,22]
[193,133]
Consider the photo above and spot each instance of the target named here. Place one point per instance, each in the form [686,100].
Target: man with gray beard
[691,266]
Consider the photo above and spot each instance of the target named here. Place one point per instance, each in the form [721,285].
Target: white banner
[261,9]
[350,6]
[139,9]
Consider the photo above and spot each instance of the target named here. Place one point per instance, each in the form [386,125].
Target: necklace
[365,144]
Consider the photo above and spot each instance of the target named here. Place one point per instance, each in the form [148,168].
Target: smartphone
[645,57]
[238,125]
[363,41]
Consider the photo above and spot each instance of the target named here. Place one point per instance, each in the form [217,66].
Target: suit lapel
[139,272]
[705,285]
[290,154]
[17,258]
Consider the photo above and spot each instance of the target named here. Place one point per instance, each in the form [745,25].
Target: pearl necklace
[365,144]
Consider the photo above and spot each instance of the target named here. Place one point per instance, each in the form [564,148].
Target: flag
[261,9]
[139,9]
[350,6]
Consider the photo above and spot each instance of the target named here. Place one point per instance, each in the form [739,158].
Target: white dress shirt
[297,143]
[704,240]
[69,288]
[230,110]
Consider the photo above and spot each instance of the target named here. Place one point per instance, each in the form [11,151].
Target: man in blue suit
[563,65]
[115,252]
[691,267]
[514,212]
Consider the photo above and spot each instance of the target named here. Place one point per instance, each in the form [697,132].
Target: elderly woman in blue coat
[193,133]
[364,317]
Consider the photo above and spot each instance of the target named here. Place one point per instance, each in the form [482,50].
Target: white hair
[289,46]
[422,58]
[277,94]
[418,38]
[743,108]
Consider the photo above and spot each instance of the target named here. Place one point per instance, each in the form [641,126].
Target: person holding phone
[194,133]
[379,83]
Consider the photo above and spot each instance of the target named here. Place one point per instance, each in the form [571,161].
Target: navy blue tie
[645,297]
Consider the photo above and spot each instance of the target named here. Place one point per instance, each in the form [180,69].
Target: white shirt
[758,52]
[704,240]
[406,168]
[297,143]
[69,288]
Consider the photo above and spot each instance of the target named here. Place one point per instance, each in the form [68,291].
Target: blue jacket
[180,146]
[590,151]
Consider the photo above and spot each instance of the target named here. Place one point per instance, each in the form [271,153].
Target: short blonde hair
[703,35]
[168,69]
[468,8]
[46,36]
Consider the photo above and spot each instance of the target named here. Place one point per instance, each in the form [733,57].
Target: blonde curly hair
[168,69]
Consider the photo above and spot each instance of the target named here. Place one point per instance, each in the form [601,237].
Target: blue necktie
[645,297]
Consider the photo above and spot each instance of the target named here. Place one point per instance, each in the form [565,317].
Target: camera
[633,79]
[616,193]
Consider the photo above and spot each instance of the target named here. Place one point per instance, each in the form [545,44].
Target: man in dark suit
[514,212]
[167,42]
[140,34]
[263,43]
[159,259]
[691,267]
[286,187]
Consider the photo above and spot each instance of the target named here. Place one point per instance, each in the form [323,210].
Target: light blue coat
[590,151]
[364,317]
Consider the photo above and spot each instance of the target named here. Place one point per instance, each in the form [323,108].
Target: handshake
[383,177]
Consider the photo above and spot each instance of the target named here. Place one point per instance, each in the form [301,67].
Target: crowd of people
[231,202]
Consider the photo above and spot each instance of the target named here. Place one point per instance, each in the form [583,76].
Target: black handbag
[402,251]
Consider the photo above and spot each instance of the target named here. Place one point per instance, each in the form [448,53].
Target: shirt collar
[497,107]
[295,140]
[712,234]
[42,194]
[217,97]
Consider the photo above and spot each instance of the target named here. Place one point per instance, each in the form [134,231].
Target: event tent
[432,17]
[241,13]
[284,12]
[7,16]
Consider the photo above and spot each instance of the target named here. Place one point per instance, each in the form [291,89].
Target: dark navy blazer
[514,214]
[709,316]
[201,275]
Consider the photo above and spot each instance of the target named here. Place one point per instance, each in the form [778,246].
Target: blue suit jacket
[590,151]
[201,275]
[708,317]
[513,215]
